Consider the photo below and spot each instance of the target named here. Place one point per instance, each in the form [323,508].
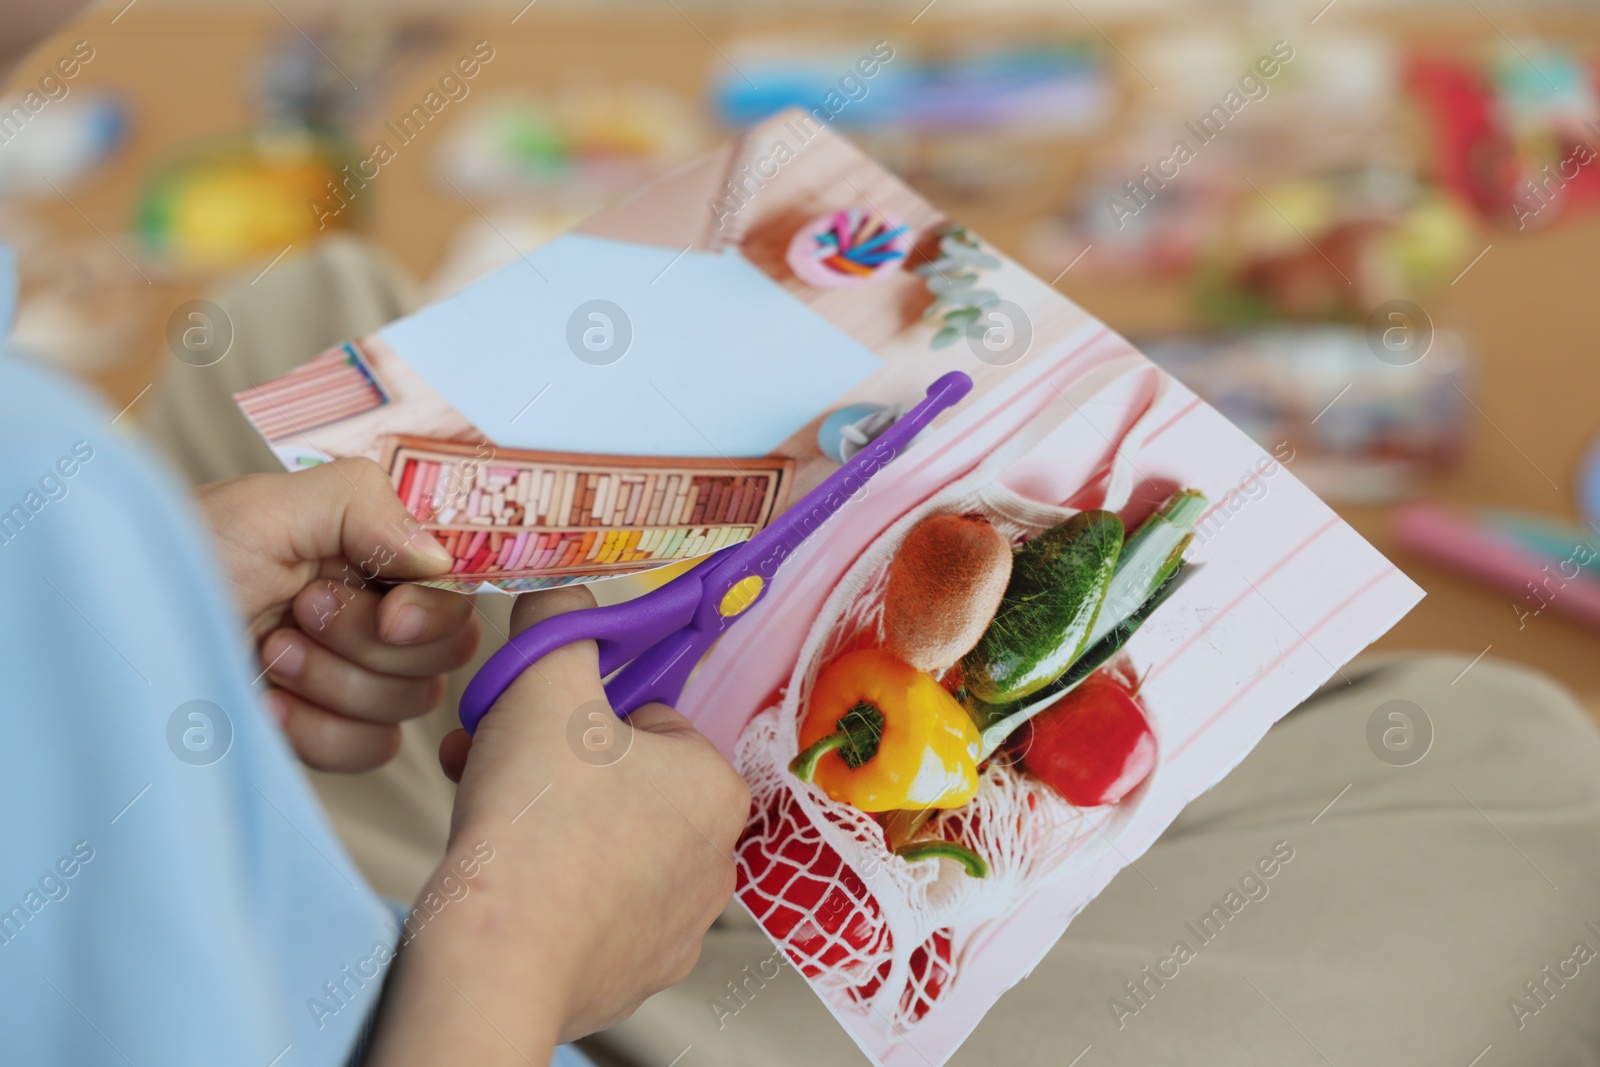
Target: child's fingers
[410,616]
[326,741]
[300,665]
[548,603]
[660,719]
[346,509]
[453,751]
[716,798]
[361,625]
[567,677]
[349,508]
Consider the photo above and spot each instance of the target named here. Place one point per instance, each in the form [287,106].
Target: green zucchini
[997,723]
[1058,581]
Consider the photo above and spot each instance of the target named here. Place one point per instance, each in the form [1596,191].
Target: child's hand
[611,860]
[347,658]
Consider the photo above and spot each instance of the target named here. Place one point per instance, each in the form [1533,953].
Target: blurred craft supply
[1286,183]
[1351,426]
[1332,246]
[227,200]
[1191,174]
[598,141]
[311,79]
[1058,87]
[1165,237]
[1527,558]
[1548,537]
[1318,247]
[1517,137]
[1589,485]
[60,143]
[979,122]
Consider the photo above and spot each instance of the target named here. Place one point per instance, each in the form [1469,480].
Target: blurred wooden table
[1529,303]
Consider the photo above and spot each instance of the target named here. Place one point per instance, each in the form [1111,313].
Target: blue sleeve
[169,890]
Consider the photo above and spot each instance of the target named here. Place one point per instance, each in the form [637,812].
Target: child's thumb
[349,508]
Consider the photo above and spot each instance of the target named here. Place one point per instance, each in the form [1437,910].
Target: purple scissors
[657,639]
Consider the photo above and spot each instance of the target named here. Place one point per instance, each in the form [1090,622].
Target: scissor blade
[764,553]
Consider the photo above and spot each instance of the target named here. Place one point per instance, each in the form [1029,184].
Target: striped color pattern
[524,514]
[334,386]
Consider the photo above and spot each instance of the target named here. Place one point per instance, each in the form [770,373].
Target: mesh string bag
[880,937]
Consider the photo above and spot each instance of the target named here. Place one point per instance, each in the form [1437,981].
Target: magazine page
[1000,670]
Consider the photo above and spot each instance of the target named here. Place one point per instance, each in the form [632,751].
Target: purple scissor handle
[657,638]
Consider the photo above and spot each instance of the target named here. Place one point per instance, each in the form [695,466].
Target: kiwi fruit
[945,585]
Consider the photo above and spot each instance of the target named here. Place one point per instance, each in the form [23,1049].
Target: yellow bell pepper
[881,735]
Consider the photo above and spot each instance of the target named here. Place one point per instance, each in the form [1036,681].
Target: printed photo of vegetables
[999,672]
[967,719]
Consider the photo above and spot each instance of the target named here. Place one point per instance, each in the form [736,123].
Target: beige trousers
[1414,924]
